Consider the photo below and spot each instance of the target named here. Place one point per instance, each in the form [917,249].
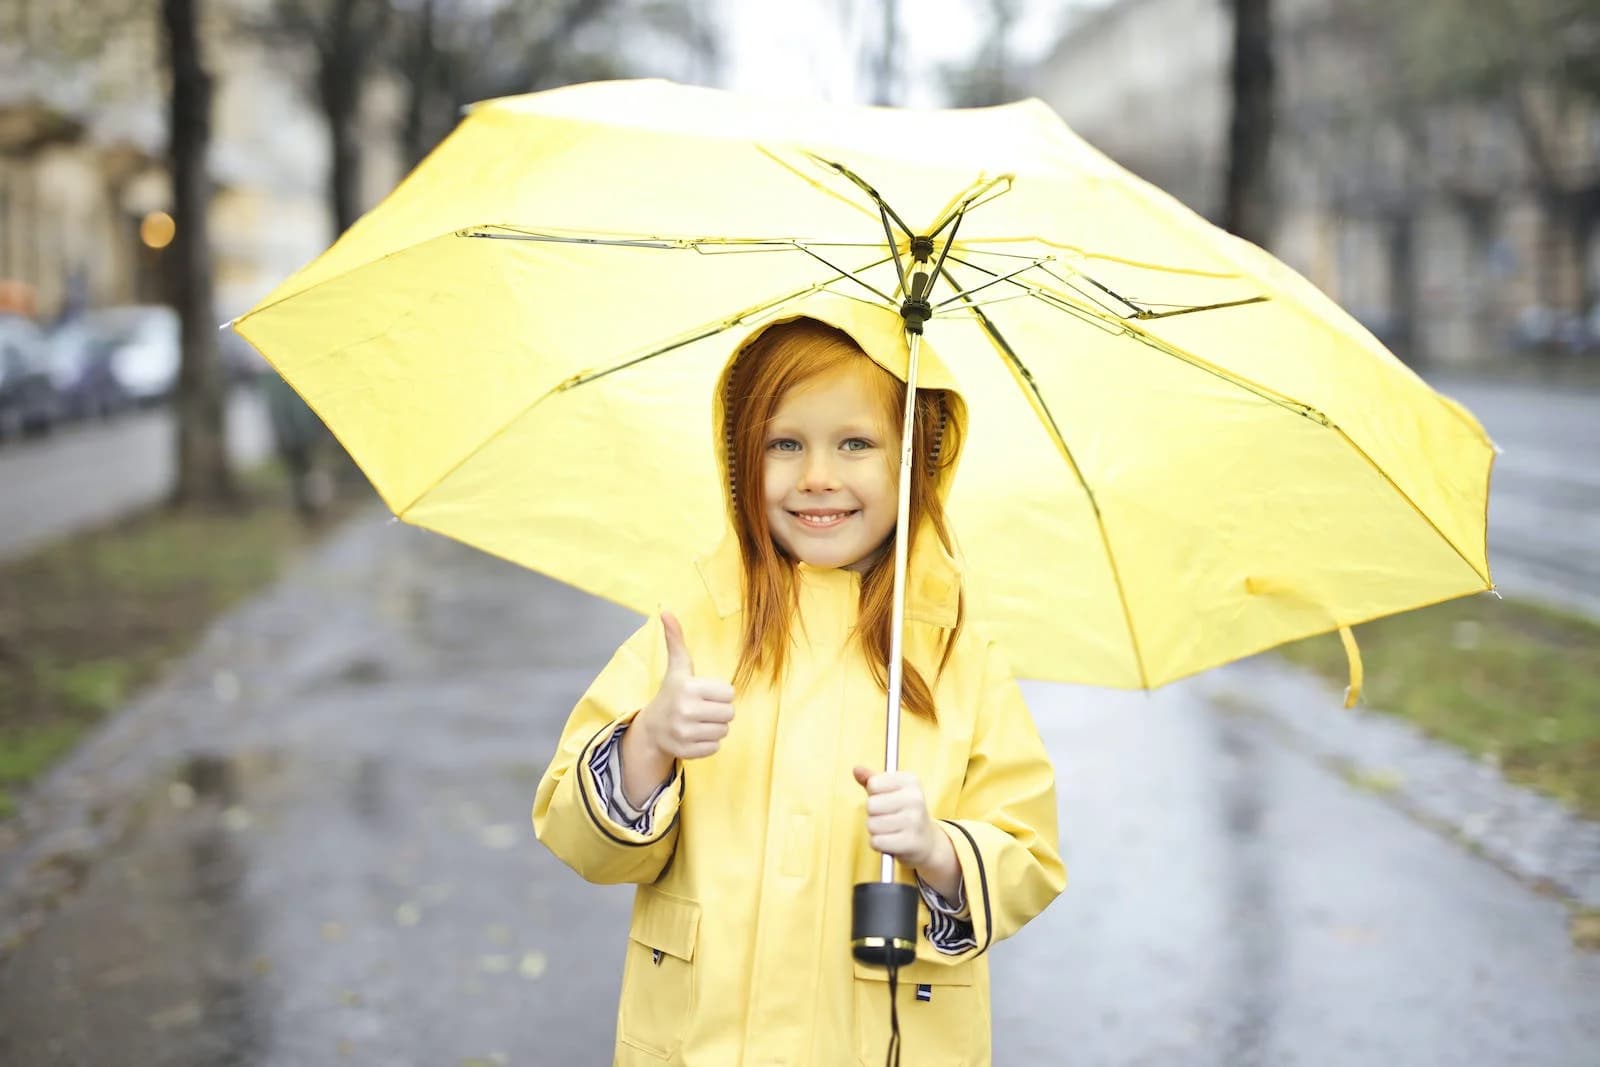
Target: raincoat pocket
[943,1019]
[658,973]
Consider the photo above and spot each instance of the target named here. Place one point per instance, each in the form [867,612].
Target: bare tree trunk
[887,55]
[340,88]
[419,85]
[1401,245]
[1248,206]
[1586,218]
[344,48]
[204,476]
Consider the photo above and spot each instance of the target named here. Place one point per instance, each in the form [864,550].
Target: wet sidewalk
[310,845]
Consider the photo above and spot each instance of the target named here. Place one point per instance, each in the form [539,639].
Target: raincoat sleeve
[1004,831]
[570,810]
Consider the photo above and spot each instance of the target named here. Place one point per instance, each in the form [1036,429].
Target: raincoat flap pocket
[667,923]
[919,972]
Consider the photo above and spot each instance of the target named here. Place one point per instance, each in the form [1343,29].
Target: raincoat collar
[933,579]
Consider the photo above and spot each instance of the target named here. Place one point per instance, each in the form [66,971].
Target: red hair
[782,357]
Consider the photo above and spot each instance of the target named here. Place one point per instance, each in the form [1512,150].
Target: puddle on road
[151,957]
[276,907]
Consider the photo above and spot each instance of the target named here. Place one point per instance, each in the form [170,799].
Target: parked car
[28,401]
[119,355]
[149,350]
[80,369]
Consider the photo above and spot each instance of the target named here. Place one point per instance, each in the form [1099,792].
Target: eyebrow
[848,430]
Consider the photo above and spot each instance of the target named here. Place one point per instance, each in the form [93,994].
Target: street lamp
[157,229]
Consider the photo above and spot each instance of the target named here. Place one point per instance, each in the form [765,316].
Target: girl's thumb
[677,650]
[863,775]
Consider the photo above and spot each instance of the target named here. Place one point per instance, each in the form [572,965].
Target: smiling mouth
[821,520]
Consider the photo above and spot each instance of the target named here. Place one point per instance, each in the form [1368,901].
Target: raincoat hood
[878,332]
[933,594]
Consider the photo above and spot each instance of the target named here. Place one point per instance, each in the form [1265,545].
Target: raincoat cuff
[975,884]
[955,909]
[607,769]
[660,816]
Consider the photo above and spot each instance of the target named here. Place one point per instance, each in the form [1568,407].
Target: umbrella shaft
[902,538]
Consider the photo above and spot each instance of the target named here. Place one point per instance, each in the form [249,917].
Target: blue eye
[784,444]
[856,444]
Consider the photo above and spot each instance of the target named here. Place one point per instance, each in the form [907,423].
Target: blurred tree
[204,476]
[987,77]
[886,55]
[1248,207]
[1537,64]
[344,36]
[450,54]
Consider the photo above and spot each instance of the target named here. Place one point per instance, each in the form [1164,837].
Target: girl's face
[828,471]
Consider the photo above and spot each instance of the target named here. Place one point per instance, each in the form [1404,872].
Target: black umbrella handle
[883,923]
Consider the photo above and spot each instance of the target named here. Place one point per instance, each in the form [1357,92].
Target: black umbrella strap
[894,1017]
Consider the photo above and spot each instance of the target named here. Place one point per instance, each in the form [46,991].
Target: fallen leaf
[1584,926]
[186,1014]
[500,835]
[225,686]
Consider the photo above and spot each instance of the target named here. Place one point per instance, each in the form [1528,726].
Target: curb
[1533,837]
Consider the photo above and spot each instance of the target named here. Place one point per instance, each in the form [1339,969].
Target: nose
[817,476]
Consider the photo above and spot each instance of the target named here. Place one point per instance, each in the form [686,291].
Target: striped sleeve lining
[606,766]
[950,928]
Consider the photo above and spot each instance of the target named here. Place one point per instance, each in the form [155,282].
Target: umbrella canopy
[1180,452]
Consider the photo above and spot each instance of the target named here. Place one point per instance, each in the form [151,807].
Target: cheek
[887,478]
[772,487]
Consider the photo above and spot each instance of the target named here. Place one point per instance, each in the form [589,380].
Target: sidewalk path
[310,846]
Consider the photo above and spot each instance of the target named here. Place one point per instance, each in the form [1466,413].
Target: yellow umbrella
[1180,451]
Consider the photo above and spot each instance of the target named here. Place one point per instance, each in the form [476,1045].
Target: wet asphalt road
[87,473]
[1544,496]
[326,859]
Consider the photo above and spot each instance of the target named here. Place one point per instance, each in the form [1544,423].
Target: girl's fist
[898,822]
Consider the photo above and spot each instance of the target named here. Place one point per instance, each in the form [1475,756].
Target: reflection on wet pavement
[328,860]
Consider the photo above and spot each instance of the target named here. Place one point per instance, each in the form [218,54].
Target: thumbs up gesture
[689,716]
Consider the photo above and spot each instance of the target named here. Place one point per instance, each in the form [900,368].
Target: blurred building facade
[83,123]
[1425,221]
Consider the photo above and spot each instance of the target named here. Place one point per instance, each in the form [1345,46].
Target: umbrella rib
[861,184]
[1290,404]
[970,198]
[963,294]
[1078,250]
[1111,320]
[688,337]
[886,298]
[695,244]
[1020,370]
[700,333]
[798,173]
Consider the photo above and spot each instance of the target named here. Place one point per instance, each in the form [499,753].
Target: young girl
[721,759]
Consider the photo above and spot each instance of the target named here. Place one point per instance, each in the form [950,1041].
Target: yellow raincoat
[739,945]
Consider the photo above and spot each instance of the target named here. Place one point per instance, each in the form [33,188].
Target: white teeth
[822,521]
